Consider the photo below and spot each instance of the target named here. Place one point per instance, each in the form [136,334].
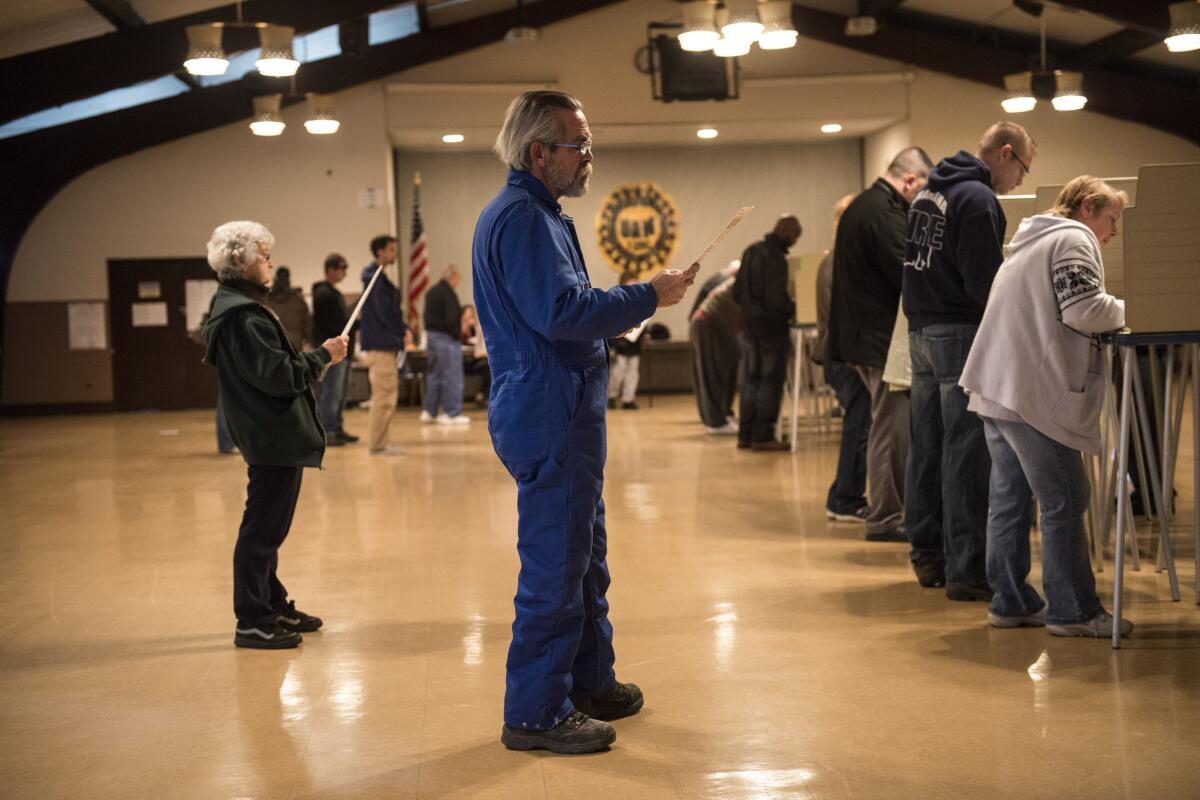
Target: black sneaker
[931,572]
[890,535]
[578,733]
[333,440]
[622,700]
[278,638]
[966,592]
[630,406]
[293,619]
[348,438]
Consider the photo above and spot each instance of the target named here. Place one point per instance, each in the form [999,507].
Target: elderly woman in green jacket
[266,390]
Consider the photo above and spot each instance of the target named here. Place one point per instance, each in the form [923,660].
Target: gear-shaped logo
[637,229]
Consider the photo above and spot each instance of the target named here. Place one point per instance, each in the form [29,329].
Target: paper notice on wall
[86,326]
[149,315]
[199,295]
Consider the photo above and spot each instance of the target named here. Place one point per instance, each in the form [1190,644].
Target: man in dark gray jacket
[868,270]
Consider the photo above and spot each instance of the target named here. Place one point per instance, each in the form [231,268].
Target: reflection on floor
[781,655]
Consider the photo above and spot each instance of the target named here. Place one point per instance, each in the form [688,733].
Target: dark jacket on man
[761,289]
[330,314]
[442,311]
[955,245]
[381,324]
[868,273]
[264,382]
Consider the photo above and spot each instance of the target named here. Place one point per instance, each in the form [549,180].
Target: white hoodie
[1037,356]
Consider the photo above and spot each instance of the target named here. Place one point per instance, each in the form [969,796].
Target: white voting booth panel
[1113,253]
[1016,207]
[1162,250]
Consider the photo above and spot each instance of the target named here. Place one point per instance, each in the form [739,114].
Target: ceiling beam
[48,78]
[877,8]
[1114,47]
[1148,16]
[120,13]
[1167,105]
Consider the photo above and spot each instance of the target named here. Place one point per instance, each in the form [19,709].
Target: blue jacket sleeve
[552,296]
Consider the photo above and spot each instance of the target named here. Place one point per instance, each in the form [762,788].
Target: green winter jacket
[264,383]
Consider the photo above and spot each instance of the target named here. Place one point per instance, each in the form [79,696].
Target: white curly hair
[235,245]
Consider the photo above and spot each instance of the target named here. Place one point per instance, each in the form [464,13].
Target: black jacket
[330,314]
[264,382]
[442,311]
[954,248]
[761,288]
[868,271]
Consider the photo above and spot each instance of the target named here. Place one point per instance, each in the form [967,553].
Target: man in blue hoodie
[545,326]
[384,336]
[953,250]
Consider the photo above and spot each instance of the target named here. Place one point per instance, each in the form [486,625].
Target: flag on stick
[418,272]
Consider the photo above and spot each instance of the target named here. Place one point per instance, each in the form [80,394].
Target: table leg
[1164,534]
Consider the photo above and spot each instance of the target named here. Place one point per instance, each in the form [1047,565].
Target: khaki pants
[887,452]
[381,371]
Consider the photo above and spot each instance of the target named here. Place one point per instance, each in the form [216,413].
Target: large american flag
[418,272]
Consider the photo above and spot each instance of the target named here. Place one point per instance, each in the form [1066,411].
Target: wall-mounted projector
[861,26]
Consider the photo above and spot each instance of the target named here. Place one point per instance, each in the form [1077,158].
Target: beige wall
[708,184]
[881,147]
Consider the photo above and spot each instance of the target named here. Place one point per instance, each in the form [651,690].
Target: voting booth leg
[1122,497]
[1196,461]
[797,355]
[1148,440]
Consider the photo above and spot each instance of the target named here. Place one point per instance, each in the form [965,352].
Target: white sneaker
[389,450]
[426,417]
[728,429]
[446,419]
[1098,627]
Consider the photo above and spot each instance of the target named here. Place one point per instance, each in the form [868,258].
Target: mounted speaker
[678,75]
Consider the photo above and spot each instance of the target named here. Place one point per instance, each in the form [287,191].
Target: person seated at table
[475,357]
[1036,375]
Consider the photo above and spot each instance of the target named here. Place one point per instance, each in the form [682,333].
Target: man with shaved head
[761,289]
[955,235]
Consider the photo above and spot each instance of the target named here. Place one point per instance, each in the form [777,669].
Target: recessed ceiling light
[453,138]
[707,133]
[831,127]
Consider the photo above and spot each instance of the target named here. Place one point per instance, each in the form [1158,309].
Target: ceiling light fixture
[453,138]
[521,33]
[1184,34]
[276,59]
[205,55]
[831,127]
[731,48]
[1068,91]
[1020,93]
[321,120]
[267,121]
[743,22]
[778,31]
[699,32]
[707,133]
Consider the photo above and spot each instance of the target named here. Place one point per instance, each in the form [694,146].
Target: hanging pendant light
[1068,91]
[742,23]
[267,121]
[1020,93]
[321,120]
[778,31]
[1184,34]
[205,55]
[276,59]
[699,32]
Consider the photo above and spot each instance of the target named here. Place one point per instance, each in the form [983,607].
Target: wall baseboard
[48,409]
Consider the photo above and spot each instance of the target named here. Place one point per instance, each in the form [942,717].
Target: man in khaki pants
[384,337]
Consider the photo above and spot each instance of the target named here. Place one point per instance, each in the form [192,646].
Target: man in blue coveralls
[545,327]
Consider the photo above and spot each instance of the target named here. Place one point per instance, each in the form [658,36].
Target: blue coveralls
[545,328]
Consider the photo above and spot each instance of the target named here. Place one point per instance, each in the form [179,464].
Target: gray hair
[235,245]
[910,159]
[531,117]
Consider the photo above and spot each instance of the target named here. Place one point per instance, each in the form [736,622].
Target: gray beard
[575,186]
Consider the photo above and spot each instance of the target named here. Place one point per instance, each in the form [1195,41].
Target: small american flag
[418,273]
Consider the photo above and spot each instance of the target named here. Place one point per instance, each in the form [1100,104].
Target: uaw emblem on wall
[637,229]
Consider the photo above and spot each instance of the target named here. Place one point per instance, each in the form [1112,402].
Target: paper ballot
[633,335]
[734,220]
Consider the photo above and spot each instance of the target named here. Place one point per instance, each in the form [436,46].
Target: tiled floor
[781,655]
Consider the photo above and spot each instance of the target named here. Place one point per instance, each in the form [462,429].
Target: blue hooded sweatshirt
[381,324]
[954,246]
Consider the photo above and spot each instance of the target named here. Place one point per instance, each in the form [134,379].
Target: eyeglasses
[584,149]
[1024,166]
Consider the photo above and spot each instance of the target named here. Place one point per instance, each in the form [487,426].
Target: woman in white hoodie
[1036,375]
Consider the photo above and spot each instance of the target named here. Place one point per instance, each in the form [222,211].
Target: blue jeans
[444,375]
[1027,463]
[333,395]
[847,493]
[946,488]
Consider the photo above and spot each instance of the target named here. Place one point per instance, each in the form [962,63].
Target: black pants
[846,495]
[270,504]
[715,357]
[764,368]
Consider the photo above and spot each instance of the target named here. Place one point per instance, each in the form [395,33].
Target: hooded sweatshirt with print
[1037,356]
[955,236]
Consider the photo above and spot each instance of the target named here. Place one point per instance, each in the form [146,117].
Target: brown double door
[156,364]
